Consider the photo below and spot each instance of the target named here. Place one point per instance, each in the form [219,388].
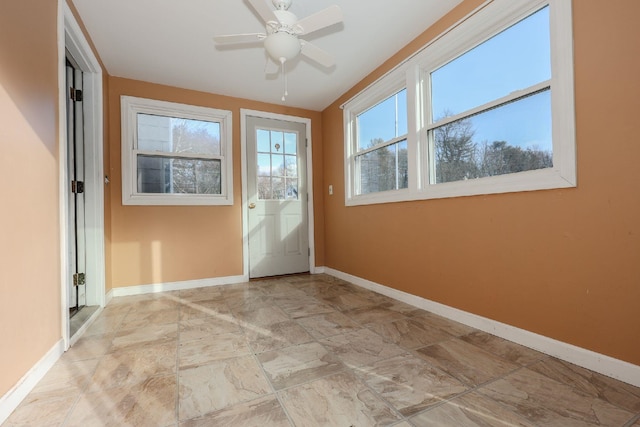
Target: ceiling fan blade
[316,54]
[239,38]
[263,10]
[317,21]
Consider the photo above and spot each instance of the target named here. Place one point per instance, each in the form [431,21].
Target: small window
[379,150]
[175,154]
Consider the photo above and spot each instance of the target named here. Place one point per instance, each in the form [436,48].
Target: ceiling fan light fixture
[282,46]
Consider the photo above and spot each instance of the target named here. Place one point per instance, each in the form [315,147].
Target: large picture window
[488,108]
[175,154]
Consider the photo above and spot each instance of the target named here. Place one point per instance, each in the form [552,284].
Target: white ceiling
[170,42]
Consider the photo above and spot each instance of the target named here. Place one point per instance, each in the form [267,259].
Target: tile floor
[308,351]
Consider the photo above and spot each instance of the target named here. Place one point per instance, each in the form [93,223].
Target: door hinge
[75,94]
[306,142]
[78,279]
[77,187]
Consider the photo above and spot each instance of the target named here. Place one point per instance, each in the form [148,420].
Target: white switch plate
[330,189]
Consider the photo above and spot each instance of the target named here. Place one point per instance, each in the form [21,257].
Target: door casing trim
[71,38]
[243,159]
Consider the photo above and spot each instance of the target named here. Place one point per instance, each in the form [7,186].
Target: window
[381,156]
[175,154]
[277,164]
[488,109]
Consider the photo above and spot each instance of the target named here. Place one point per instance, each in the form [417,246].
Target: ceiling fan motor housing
[282,46]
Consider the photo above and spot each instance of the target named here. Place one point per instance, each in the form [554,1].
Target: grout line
[632,421]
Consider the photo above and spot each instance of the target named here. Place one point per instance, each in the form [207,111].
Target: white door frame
[245,216]
[71,38]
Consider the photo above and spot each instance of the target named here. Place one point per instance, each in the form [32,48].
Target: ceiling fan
[283,30]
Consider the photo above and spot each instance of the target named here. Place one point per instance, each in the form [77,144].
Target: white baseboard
[10,401]
[177,286]
[606,365]
[317,270]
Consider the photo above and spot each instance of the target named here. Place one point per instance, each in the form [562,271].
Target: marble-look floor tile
[361,348]
[204,308]
[205,327]
[207,350]
[139,319]
[470,410]
[337,400]
[151,403]
[64,379]
[408,334]
[429,320]
[616,392]
[105,324]
[280,287]
[157,302]
[371,315]
[298,364]
[240,303]
[546,402]
[344,301]
[141,337]
[395,305]
[50,412]
[507,350]
[209,388]
[200,294]
[466,362]
[328,324]
[261,316]
[297,306]
[276,336]
[241,290]
[89,347]
[127,368]
[262,412]
[410,384]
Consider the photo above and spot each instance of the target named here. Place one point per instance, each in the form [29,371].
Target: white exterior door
[277,200]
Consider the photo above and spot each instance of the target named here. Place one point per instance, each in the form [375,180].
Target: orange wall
[157,244]
[30,320]
[562,263]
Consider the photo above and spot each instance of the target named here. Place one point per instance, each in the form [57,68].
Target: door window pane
[290,143]
[264,165]
[277,165]
[264,141]
[277,142]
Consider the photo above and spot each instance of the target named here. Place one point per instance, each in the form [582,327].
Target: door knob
[252,205]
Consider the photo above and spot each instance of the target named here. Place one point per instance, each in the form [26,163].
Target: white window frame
[488,20]
[130,107]
[366,100]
